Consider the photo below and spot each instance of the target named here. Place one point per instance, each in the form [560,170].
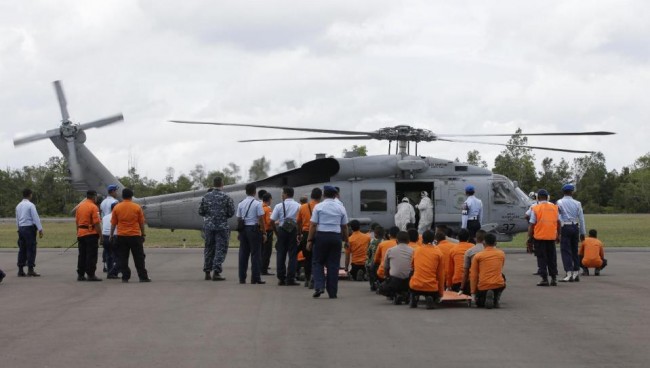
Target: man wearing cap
[128,219]
[405,214]
[544,229]
[573,230]
[105,209]
[88,231]
[250,211]
[28,223]
[472,213]
[328,228]
[426,213]
[529,243]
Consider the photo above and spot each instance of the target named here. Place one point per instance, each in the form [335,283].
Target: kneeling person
[397,268]
[428,277]
[486,274]
[592,254]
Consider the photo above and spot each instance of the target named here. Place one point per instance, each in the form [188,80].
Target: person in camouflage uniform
[216,208]
[372,249]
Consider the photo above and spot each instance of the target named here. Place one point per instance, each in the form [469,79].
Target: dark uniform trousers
[133,245]
[111,256]
[87,258]
[393,286]
[327,253]
[305,253]
[473,226]
[286,247]
[482,294]
[546,257]
[267,250]
[569,247]
[216,249]
[250,245]
[27,246]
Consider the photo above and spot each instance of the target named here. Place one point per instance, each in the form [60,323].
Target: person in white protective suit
[426,213]
[405,214]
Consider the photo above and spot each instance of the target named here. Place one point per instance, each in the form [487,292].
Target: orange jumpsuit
[592,253]
[486,272]
[358,248]
[446,247]
[456,267]
[428,272]
[380,254]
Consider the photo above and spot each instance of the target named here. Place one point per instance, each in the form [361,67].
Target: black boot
[217,277]
[207,276]
[21,272]
[32,273]
[544,282]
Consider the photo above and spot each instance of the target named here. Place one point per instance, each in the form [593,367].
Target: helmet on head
[532,195]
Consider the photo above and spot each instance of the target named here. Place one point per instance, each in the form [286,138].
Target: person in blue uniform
[573,231]
[251,237]
[216,208]
[327,231]
[28,223]
[283,220]
[472,213]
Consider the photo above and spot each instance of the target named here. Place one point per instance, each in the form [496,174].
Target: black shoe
[489,299]
[292,283]
[597,272]
[32,273]
[94,278]
[112,277]
[332,297]
[281,283]
[217,277]
[553,281]
[267,273]
[414,301]
[317,293]
[146,279]
[430,302]
[2,276]
[81,278]
[242,281]
[125,280]
[207,276]
[259,282]
[543,283]
[21,272]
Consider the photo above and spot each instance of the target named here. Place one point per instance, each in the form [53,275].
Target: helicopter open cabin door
[372,202]
[412,190]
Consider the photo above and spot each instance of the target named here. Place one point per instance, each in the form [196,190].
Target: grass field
[613,230]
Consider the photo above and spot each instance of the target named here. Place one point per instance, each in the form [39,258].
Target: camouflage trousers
[216,248]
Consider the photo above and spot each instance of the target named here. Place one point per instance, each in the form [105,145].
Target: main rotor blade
[312,130]
[516,145]
[526,134]
[63,104]
[102,122]
[35,137]
[308,139]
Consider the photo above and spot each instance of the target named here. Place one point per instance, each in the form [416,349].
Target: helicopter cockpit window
[374,200]
[503,193]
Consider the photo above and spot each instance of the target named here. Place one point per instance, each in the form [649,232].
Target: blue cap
[542,193]
[329,188]
[469,188]
[568,188]
[111,187]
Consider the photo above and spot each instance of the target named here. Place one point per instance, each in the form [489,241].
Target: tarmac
[180,320]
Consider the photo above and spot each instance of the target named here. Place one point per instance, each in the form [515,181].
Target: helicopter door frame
[412,189]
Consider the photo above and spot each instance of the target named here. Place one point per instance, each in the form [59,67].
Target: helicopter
[370,186]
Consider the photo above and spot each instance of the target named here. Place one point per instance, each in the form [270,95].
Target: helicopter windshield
[503,193]
[522,196]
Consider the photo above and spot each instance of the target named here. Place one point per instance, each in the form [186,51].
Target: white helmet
[532,195]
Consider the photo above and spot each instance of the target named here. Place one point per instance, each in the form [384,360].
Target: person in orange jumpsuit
[303,221]
[380,254]
[267,246]
[446,247]
[428,273]
[355,251]
[414,238]
[486,274]
[88,232]
[592,254]
[456,268]
[128,218]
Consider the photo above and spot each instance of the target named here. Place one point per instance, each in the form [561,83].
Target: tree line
[599,190]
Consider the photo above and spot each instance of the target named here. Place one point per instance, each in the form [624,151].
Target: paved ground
[181,321]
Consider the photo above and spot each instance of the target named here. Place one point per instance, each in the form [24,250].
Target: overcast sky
[448,66]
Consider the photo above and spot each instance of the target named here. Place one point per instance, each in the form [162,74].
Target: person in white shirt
[28,223]
[109,247]
[283,220]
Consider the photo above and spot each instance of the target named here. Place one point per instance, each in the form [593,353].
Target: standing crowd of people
[404,263]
